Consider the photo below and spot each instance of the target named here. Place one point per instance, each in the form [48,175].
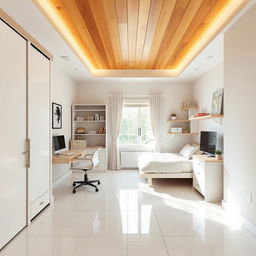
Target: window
[135,127]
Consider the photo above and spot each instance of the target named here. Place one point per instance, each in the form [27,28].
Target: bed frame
[150,176]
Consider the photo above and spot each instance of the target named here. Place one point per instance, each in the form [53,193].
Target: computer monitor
[58,143]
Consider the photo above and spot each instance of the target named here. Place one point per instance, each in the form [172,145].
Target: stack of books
[102,130]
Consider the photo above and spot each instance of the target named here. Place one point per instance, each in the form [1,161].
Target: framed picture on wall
[217,102]
[56,116]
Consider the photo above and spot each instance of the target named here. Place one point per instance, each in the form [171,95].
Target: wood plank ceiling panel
[122,20]
[144,8]
[111,20]
[133,9]
[173,25]
[201,29]
[155,10]
[89,20]
[86,46]
[137,34]
[166,13]
[100,20]
[202,13]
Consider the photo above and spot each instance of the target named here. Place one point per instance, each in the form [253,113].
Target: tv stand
[208,177]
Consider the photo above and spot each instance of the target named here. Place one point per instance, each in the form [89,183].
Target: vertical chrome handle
[27,152]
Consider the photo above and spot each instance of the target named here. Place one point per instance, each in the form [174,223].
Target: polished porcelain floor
[126,217]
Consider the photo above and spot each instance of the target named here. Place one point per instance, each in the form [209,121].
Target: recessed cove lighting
[66,58]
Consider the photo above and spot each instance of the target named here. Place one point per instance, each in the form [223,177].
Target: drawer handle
[41,202]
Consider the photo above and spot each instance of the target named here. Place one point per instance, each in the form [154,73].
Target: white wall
[173,95]
[63,92]
[240,116]
[203,89]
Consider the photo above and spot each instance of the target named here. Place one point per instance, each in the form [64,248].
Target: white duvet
[164,163]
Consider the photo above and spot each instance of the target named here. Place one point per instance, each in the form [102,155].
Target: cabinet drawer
[39,204]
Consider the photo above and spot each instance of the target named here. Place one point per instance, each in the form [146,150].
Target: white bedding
[164,163]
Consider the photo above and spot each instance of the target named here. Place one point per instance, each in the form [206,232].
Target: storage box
[176,129]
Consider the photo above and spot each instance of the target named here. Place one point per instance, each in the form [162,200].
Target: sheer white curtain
[155,107]
[115,109]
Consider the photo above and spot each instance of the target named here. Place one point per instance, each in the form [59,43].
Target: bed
[167,165]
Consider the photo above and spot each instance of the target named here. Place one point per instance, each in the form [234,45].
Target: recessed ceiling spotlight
[209,57]
[196,69]
[65,58]
[76,69]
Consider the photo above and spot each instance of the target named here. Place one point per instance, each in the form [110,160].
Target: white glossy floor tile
[126,217]
[146,246]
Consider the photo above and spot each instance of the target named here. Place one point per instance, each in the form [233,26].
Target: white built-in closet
[24,132]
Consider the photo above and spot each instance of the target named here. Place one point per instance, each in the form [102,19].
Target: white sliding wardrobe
[12,133]
[25,158]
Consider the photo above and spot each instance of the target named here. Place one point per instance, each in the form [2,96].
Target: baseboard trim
[59,180]
[245,221]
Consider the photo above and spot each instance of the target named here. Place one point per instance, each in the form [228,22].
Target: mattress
[164,163]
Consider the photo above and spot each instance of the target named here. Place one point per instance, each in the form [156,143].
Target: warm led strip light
[217,24]
[220,20]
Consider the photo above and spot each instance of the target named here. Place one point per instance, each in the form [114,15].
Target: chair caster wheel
[96,190]
[98,182]
[74,191]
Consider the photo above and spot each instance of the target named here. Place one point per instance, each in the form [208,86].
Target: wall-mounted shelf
[179,121]
[183,133]
[89,121]
[206,117]
[89,134]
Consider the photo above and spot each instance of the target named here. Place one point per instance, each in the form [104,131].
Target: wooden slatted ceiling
[137,34]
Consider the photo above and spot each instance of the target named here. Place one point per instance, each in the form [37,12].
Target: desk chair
[85,164]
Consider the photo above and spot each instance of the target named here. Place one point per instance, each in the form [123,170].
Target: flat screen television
[208,142]
[58,143]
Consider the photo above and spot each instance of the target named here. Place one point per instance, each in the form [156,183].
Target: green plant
[218,152]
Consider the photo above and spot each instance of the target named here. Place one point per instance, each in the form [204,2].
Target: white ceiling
[30,18]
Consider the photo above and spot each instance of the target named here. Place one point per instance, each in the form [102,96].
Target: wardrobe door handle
[27,153]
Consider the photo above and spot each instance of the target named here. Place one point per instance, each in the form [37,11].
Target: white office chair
[85,164]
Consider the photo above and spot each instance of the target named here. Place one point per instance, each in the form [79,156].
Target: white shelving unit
[85,116]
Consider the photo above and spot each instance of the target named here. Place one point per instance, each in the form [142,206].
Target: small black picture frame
[56,116]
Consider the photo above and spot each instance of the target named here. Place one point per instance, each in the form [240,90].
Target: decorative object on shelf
[79,118]
[96,118]
[80,130]
[176,130]
[202,114]
[173,116]
[102,130]
[56,116]
[218,154]
[217,100]
[89,118]
[78,144]
[102,118]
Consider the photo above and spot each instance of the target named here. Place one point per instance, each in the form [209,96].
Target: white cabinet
[208,177]
[12,133]
[38,129]
[25,116]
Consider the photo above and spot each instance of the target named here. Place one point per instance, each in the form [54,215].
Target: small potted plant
[173,116]
[218,154]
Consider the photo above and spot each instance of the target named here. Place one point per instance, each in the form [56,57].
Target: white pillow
[187,151]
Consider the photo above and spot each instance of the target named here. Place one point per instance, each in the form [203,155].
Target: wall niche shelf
[179,121]
[206,117]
